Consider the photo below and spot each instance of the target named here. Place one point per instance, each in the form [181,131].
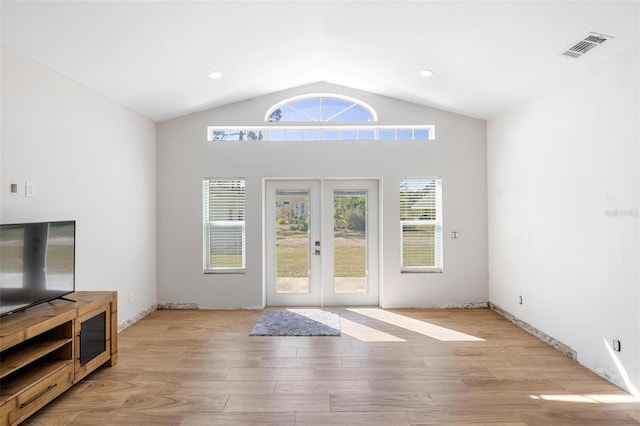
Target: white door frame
[321,287]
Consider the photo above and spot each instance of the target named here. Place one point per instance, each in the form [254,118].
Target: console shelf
[40,350]
[13,362]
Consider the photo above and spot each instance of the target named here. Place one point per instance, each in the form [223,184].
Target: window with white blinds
[224,225]
[421,224]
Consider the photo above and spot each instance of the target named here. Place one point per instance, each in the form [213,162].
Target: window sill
[421,271]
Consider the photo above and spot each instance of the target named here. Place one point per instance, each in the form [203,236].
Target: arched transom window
[321,117]
[321,108]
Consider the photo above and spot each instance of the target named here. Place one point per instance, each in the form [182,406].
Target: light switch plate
[30,189]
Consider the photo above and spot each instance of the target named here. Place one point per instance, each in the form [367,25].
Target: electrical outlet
[617,346]
[130,298]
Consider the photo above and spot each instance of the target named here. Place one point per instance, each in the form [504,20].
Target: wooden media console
[46,349]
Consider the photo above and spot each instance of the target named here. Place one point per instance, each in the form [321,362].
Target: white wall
[185,157]
[563,191]
[91,160]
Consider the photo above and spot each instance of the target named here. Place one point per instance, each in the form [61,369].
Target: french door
[321,242]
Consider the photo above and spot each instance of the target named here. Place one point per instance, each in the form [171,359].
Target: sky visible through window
[321,109]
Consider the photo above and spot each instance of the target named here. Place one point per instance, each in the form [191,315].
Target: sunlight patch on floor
[422,327]
[614,399]
[590,398]
[364,333]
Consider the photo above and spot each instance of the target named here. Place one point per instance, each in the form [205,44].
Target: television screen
[37,263]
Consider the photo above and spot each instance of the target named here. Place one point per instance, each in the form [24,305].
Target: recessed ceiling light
[215,74]
[426,73]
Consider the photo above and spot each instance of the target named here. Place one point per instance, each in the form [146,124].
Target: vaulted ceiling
[154,57]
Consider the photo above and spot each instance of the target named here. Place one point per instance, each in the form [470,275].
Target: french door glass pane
[350,241]
[292,241]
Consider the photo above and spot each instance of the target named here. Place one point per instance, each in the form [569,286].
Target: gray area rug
[298,322]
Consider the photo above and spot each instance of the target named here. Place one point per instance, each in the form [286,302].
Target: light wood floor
[400,367]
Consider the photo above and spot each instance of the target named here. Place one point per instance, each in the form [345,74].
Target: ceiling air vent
[585,45]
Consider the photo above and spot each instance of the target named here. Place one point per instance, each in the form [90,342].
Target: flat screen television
[37,263]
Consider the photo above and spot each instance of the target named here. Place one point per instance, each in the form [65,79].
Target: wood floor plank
[179,375]
[271,374]
[126,417]
[383,362]
[360,373]
[176,402]
[335,351]
[229,387]
[277,403]
[386,402]
[635,414]
[240,419]
[587,385]
[352,419]
[302,362]
[577,417]
[97,388]
[540,372]
[82,401]
[483,403]
[203,368]
[442,387]
[231,353]
[498,418]
[397,373]
[319,387]
[218,362]
[544,386]
[52,417]
[317,343]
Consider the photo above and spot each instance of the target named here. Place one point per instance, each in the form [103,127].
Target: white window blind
[421,224]
[224,225]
